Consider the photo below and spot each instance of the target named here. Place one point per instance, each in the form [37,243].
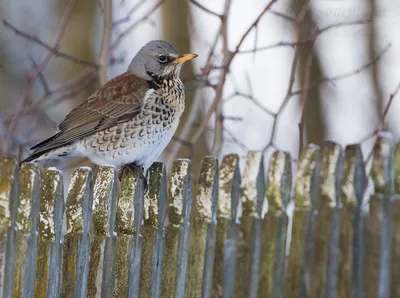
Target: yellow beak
[185,57]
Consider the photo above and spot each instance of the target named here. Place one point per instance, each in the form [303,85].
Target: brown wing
[119,100]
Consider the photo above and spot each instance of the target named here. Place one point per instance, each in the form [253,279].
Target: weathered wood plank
[76,243]
[378,226]
[275,225]
[125,229]
[324,268]
[48,272]
[225,246]
[351,242]
[202,233]
[136,250]
[8,203]
[250,226]
[100,281]
[177,232]
[297,282]
[395,282]
[152,231]
[26,231]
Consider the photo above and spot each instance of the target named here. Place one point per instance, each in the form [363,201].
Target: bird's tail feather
[54,153]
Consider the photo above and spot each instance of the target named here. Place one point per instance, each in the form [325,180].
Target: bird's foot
[135,170]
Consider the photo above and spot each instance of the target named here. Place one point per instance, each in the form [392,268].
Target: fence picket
[101,243]
[112,240]
[395,282]
[76,243]
[324,268]
[48,273]
[177,232]
[351,242]
[249,230]
[297,282]
[378,226]
[8,202]
[125,229]
[26,231]
[275,225]
[152,231]
[136,247]
[225,247]
[202,233]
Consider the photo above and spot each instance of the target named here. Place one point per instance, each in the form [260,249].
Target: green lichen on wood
[331,166]
[124,221]
[176,190]
[151,199]
[121,265]
[382,164]
[78,190]
[308,167]
[29,177]
[207,185]
[102,200]
[397,169]
[279,182]
[7,175]
[251,174]
[227,171]
[51,187]
[353,162]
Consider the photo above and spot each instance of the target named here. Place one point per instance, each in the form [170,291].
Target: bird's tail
[54,153]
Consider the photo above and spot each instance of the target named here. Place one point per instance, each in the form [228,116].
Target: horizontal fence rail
[233,235]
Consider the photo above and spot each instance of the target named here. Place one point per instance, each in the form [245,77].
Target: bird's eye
[162,58]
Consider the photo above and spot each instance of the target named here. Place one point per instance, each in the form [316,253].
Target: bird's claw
[135,170]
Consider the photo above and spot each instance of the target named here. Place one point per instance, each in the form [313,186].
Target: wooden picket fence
[108,239]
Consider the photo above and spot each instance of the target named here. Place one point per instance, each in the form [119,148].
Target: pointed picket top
[29,177]
[382,171]
[78,199]
[204,207]
[331,165]
[253,184]
[353,183]
[103,189]
[156,178]
[279,182]
[306,177]
[178,184]
[229,185]
[8,174]
[51,189]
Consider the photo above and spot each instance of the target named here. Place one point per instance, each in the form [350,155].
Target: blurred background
[270,75]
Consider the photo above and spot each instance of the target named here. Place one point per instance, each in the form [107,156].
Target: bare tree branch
[105,45]
[33,76]
[52,49]
[127,31]
[129,14]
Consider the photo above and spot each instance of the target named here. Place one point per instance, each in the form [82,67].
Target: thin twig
[128,30]
[129,14]
[54,50]
[334,79]
[381,124]
[33,76]
[205,9]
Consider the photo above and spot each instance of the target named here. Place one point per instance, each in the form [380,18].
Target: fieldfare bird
[129,121]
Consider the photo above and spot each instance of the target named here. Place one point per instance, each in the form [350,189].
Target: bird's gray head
[158,59]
